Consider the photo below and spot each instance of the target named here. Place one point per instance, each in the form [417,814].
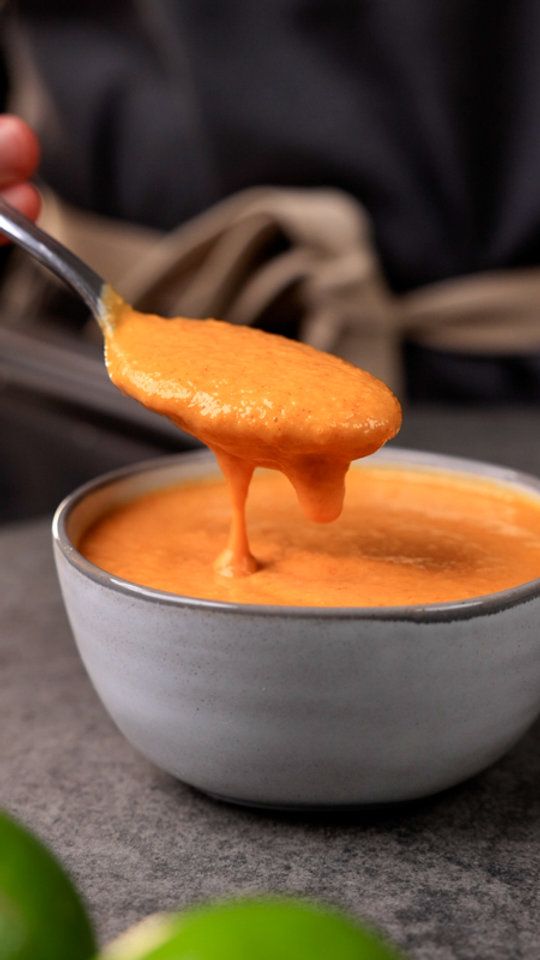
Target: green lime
[41,914]
[258,929]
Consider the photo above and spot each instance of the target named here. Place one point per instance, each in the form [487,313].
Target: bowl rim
[484,605]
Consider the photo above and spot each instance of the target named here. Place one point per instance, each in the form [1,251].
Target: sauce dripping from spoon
[256,399]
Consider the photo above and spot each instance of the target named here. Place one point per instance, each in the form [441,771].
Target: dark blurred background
[426,114]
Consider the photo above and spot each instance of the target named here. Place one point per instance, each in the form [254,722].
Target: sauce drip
[405,536]
[255,399]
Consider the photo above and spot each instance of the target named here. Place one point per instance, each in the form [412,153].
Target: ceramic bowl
[301,706]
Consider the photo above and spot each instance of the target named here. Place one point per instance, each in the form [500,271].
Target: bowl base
[321,808]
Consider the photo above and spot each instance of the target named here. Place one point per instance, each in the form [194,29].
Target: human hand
[19,156]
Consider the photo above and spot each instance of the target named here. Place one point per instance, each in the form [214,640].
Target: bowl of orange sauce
[382,658]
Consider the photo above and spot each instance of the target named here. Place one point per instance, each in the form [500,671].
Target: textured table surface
[452,878]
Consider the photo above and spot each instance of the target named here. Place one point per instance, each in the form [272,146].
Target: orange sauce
[256,400]
[405,536]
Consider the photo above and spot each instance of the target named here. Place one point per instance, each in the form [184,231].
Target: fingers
[19,150]
[19,157]
[25,197]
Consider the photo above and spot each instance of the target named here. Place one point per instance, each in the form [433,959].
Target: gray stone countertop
[455,877]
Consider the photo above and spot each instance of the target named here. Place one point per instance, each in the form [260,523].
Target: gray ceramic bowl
[295,706]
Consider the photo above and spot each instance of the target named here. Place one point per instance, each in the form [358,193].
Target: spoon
[61,261]
[279,404]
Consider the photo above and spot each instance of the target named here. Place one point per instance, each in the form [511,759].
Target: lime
[254,929]
[41,914]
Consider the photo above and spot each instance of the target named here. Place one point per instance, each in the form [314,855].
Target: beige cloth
[218,264]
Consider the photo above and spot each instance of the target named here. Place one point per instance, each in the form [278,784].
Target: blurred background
[357,173]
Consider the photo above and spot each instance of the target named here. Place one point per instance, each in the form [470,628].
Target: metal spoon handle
[56,257]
